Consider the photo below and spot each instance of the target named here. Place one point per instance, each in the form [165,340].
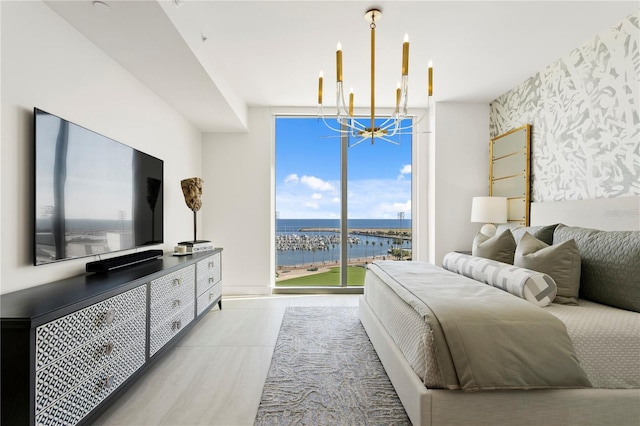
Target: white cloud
[312,205]
[405,170]
[316,184]
[292,178]
[379,198]
[403,207]
[368,198]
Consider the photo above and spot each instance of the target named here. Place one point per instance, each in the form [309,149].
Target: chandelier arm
[357,125]
[386,139]
[358,142]
[405,94]
[414,122]
[385,124]
[394,125]
[340,103]
[350,123]
[322,117]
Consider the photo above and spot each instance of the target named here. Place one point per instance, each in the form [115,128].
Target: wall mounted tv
[93,195]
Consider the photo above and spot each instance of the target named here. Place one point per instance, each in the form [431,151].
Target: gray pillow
[542,233]
[561,262]
[610,265]
[500,247]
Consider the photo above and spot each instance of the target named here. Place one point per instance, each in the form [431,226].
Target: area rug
[325,371]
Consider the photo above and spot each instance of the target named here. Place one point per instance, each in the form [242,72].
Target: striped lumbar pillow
[535,287]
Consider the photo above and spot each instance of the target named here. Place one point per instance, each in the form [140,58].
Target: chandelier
[392,125]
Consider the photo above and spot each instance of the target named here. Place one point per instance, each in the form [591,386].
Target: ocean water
[293,246]
[293,225]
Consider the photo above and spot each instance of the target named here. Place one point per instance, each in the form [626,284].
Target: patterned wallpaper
[584,112]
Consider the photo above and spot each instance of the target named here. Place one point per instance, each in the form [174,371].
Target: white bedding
[606,340]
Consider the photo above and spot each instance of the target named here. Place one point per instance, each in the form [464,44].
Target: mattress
[606,340]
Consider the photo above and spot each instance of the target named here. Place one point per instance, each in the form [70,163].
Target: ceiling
[211,60]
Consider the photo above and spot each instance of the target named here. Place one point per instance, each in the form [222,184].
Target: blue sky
[308,174]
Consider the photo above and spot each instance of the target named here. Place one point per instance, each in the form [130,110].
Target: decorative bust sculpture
[192,190]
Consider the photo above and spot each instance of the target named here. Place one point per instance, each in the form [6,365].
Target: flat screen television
[93,195]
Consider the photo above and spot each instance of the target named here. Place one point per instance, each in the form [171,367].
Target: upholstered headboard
[607,214]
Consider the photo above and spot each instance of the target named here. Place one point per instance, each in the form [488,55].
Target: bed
[605,340]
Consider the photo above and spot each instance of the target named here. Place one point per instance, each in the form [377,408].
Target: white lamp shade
[489,209]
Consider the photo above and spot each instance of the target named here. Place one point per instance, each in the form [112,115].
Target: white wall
[237,203]
[46,63]
[458,171]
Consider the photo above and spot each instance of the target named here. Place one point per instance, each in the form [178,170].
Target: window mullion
[344,222]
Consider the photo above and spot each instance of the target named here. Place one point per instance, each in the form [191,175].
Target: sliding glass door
[319,181]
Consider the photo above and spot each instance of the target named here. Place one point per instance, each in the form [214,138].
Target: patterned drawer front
[165,286]
[214,276]
[170,304]
[208,264]
[162,333]
[75,405]
[61,336]
[208,297]
[60,377]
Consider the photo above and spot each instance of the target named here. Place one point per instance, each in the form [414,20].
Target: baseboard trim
[245,290]
[317,290]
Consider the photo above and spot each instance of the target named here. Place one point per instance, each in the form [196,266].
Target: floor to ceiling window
[319,180]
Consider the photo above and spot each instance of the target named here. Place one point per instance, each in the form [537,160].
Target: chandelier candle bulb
[339,61]
[430,78]
[405,55]
[320,88]
[351,102]
[398,96]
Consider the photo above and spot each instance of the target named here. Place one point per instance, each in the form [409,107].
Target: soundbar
[101,266]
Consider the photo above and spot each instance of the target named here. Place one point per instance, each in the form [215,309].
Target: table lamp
[489,210]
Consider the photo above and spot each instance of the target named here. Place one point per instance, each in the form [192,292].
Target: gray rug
[324,371]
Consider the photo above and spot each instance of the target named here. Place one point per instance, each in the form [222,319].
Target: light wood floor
[215,374]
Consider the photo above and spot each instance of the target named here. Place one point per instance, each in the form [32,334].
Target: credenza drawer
[59,337]
[164,331]
[211,278]
[208,297]
[173,302]
[167,285]
[208,264]
[61,376]
[76,404]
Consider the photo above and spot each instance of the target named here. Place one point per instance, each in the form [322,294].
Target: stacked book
[198,246]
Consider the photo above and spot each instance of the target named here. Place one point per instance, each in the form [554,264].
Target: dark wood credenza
[71,347]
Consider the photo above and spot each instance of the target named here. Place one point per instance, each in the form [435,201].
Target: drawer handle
[177,303]
[109,316]
[176,325]
[212,296]
[211,264]
[108,348]
[177,281]
[108,381]
[211,279]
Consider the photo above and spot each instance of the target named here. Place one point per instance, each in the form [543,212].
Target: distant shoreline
[404,233]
